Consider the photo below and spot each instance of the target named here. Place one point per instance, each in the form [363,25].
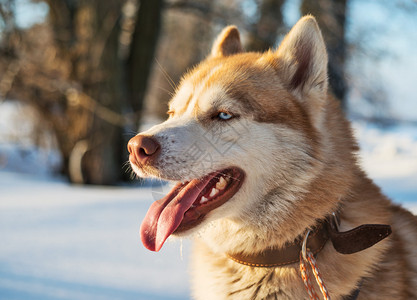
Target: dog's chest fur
[225,279]
[385,271]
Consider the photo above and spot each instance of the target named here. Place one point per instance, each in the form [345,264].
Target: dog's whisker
[133,175]
[166,75]
[167,91]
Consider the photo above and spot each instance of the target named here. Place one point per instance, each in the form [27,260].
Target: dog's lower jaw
[256,227]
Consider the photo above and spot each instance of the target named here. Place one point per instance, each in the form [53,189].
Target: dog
[265,165]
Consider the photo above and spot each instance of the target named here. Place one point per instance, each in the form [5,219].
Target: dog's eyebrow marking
[183,109]
[209,101]
[182,98]
[198,92]
[243,99]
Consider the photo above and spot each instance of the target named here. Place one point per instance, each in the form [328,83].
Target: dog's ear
[227,42]
[303,58]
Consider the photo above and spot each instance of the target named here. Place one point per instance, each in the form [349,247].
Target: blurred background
[78,78]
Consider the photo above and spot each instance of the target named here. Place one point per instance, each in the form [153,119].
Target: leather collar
[348,242]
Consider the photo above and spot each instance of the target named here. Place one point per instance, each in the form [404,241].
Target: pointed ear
[227,42]
[304,58]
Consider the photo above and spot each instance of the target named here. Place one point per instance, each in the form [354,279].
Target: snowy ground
[71,242]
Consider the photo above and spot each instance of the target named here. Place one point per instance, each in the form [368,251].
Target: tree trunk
[142,53]
[265,31]
[102,162]
[82,71]
[87,34]
[331,16]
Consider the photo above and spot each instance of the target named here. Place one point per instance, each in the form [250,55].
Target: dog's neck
[272,229]
[352,241]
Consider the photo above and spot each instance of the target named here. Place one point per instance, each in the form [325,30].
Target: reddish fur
[287,89]
[260,93]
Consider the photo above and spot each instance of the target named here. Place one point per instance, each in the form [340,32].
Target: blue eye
[224,116]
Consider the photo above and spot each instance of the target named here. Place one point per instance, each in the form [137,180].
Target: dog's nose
[143,147]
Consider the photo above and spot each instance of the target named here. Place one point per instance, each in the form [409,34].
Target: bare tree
[142,53]
[73,71]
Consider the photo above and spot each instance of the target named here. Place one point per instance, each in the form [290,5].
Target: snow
[389,156]
[71,242]
[62,241]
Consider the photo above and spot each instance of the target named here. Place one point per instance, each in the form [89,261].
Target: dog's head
[241,126]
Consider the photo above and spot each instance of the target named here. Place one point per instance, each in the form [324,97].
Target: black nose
[142,148]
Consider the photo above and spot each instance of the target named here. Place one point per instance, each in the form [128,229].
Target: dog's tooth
[221,184]
[213,192]
[203,199]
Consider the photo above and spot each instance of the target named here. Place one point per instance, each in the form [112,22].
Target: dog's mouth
[186,205]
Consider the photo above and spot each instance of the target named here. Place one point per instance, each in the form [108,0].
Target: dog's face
[241,125]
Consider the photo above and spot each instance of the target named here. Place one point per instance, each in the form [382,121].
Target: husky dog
[261,156]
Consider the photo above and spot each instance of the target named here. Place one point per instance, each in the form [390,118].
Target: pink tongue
[166,214]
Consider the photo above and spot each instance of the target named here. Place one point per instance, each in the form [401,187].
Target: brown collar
[348,242]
